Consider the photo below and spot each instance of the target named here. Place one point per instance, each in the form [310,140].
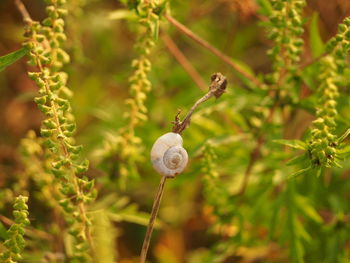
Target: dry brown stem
[32,232]
[216,89]
[214,50]
[152,219]
[22,9]
[183,61]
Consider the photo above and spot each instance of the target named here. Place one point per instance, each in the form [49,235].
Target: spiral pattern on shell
[168,156]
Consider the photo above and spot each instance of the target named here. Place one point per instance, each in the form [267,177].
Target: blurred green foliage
[264,183]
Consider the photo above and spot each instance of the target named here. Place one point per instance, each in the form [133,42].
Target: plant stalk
[225,58]
[152,219]
[216,89]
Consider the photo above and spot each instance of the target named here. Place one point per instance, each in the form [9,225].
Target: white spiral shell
[168,156]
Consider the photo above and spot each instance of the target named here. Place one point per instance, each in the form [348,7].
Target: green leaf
[3,232]
[344,153]
[343,137]
[306,208]
[11,58]
[131,214]
[301,232]
[297,159]
[300,172]
[155,29]
[316,44]
[122,14]
[276,209]
[244,66]
[297,144]
[319,171]
[265,7]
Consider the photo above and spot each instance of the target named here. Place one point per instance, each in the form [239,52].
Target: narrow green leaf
[343,137]
[122,14]
[3,232]
[344,153]
[265,7]
[297,160]
[244,66]
[155,29]
[300,172]
[297,144]
[306,208]
[316,44]
[276,209]
[11,58]
[301,232]
[319,172]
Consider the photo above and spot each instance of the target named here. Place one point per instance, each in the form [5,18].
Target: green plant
[44,45]
[268,165]
[15,242]
[127,145]
[324,143]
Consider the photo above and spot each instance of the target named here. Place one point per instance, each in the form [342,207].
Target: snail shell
[168,156]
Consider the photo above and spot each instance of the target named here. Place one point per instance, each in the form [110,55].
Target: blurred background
[101,35]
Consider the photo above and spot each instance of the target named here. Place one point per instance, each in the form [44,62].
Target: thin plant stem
[22,9]
[214,50]
[216,89]
[344,136]
[152,219]
[30,231]
[183,61]
[179,128]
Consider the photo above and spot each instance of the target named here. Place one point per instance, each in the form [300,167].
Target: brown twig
[183,61]
[216,89]
[29,230]
[152,219]
[22,9]
[214,50]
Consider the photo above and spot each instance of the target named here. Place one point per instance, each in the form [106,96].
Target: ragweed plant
[325,148]
[285,29]
[322,147]
[324,144]
[44,42]
[15,242]
[215,195]
[37,166]
[128,146]
[36,160]
[75,12]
